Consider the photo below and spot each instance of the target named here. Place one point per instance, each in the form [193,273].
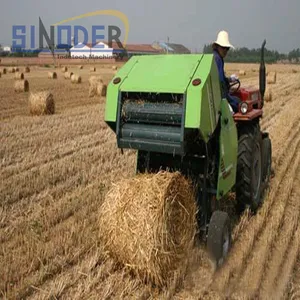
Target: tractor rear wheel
[219,237]
[249,168]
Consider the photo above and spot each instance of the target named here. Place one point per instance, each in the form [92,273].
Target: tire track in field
[41,134]
[44,177]
[30,208]
[294,128]
[242,247]
[60,245]
[58,153]
[52,150]
[284,239]
[287,268]
[257,260]
[273,108]
[22,179]
[269,118]
[294,287]
[270,114]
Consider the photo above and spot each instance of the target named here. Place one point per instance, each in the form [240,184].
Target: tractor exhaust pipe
[262,73]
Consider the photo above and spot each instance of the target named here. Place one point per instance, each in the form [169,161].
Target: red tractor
[254,145]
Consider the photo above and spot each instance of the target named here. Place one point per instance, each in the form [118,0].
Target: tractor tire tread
[247,137]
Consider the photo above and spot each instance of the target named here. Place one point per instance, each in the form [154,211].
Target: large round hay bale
[94,81]
[271,78]
[11,70]
[101,89]
[16,69]
[114,68]
[26,70]
[294,71]
[68,75]
[242,72]
[52,75]
[80,67]
[4,71]
[148,223]
[268,97]
[19,76]
[41,103]
[21,86]
[76,78]
[64,69]
[93,69]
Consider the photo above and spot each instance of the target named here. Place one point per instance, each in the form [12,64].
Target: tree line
[245,55]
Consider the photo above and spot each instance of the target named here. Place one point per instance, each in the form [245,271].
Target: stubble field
[56,170]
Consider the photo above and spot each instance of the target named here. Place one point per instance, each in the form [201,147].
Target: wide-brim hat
[223,39]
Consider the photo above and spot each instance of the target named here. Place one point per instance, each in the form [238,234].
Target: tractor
[170,110]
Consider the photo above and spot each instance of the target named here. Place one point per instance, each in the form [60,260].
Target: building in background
[171,48]
[106,50]
[141,49]
[103,50]
[6,49]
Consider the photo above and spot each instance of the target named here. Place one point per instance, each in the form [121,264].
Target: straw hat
[223,39]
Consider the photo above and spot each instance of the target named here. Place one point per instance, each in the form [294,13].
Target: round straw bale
[68,75]
[93,69]
[52,75]
[94,81]
[242,72]
[101,89]
[80,67]
[268,95]
[294,71]
[11,70]
[16,69]
[21,86]
[148,223]
[4,71]
[26,70]
[64,69]
[19,76]
[114,68]
[92,91]
[271,78]
[41,103]
[75,78]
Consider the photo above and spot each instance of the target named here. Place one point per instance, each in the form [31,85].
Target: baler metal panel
[113,91]
[228,151]
[203,101]
[162,73]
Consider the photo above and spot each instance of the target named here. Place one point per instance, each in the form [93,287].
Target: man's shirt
[225,82]
[220,65]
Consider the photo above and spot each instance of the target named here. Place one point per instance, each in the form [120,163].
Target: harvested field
[55,173]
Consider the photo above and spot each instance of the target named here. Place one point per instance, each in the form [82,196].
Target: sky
[192,23]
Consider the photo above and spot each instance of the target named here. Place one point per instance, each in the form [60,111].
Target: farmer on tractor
[220,48]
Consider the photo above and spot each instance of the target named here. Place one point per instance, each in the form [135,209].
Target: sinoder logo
[55,35]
